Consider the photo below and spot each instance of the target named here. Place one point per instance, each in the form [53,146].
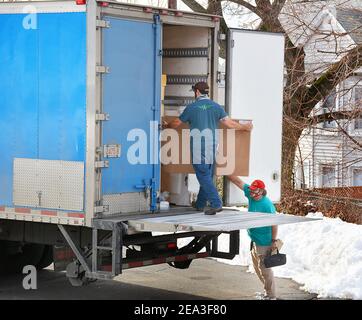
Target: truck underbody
[122,242]
[103,251]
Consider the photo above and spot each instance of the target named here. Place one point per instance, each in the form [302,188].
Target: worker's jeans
[265,275]
[208,191]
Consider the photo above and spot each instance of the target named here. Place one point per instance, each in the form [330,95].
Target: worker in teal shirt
[263,239]
[204,116]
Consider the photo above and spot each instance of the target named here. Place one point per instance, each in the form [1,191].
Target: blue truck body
[43,91]
[47,76]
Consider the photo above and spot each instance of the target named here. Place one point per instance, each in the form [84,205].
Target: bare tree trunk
[291,134]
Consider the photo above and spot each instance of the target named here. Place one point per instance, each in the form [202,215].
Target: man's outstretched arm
[237,181]
[231,124]
[275,232]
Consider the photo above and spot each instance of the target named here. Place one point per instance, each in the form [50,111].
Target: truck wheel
[14,256]
[47,258]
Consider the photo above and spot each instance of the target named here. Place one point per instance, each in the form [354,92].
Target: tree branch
[194,6]
[333,116]
[338,115]
[356,142]
[214,7]
[336,73]
[278,4]
[247,5]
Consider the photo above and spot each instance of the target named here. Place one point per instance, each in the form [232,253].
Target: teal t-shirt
[261,236]
[203,117]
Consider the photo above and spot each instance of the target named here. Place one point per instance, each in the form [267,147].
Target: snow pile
[325,256]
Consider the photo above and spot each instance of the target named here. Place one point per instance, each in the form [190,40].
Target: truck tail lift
[204,231]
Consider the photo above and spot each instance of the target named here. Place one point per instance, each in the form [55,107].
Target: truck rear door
[254,90]
[131,98]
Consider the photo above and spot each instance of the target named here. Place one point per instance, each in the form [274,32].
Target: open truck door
[254,90]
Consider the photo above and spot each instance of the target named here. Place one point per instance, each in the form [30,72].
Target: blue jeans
[208,191]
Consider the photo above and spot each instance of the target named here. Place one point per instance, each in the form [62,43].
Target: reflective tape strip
[49,213]
[47,216]
[22,210]
[144,263]
[136,264]
[75,215]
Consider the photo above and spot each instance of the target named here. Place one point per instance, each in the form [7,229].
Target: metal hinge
[101,164]
[103,24]
[232,43]
[102,69]
[102,117]
[101,209]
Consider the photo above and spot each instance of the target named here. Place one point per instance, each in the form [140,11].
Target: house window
[328,177]
[329,124]
[358,104]
[330,102]
[358,96]
[358,123]
[327,107]
[357,177]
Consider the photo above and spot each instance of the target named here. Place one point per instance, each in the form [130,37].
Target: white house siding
[318,151]
[322,148]
[319,148]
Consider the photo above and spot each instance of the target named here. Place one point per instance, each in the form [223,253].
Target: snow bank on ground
[325,256]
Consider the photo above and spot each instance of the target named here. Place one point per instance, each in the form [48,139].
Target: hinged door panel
[131,98]
[255,92]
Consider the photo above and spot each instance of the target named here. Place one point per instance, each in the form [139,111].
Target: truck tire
[14,256]
[47,258]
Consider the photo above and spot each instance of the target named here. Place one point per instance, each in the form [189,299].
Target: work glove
[164,124]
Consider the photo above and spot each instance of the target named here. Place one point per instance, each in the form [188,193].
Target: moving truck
[82,83]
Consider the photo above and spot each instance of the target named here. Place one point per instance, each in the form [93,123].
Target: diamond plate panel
[49,184]
[126,202]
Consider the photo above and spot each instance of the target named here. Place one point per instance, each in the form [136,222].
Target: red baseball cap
[257,184]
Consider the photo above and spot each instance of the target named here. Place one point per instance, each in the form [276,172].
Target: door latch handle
[146,188]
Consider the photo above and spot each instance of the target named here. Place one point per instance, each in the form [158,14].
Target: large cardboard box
[233,153]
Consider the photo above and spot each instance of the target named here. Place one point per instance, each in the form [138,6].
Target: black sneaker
[212,211]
